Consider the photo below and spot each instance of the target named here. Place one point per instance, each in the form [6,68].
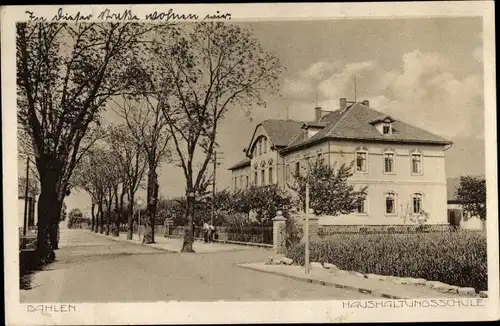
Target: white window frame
[365,152]
[365,206]
[288,172]
[415,153]
[389,152]
[395,203]
[413,196]
[388,124]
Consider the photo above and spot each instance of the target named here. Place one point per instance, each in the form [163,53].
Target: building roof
[241,164]
[281,132]
[355,122]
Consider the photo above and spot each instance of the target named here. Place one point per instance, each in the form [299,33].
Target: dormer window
[387,128]
[384,125]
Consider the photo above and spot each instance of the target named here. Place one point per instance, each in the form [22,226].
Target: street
[91,268]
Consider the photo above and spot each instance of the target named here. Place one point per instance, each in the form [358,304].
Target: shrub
[455,258]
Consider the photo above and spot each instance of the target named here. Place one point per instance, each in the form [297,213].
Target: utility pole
[216,161]
[354,88]
[306,228]
[26,193]
[213,189]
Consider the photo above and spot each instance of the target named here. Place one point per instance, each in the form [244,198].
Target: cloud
[296,88]
[425,92]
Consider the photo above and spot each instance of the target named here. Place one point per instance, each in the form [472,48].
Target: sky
[427,72]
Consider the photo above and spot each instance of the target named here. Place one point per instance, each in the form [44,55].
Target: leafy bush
[455,258]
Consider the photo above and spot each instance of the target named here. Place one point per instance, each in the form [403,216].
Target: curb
[132,242]
[327,283]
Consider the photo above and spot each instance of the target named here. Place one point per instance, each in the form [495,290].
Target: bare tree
[66,73]
[213,67]
[90,175]
[143,116]
[132,162]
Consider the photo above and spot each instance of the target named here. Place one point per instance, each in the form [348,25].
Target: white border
[248,312]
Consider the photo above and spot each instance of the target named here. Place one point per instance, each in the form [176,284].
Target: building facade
[403,167]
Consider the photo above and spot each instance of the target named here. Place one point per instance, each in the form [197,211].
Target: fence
[325,230]
[245,234]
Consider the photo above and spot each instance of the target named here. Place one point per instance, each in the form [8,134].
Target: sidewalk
[175,244]
[379,288]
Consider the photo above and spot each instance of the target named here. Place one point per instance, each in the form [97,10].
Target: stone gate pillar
[279,233]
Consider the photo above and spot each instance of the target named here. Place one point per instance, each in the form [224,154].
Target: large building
[403,167]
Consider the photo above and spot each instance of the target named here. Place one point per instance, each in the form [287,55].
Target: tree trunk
[187,245]
[46,215]
[149,236]
[54,231]
[101,218]
[92,212]
[130,220]
[109,213]
[116,229]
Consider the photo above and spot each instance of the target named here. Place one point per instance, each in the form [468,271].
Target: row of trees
[172,84]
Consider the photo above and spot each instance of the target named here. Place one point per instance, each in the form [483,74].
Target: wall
[261,162]
[466,221]
[431,183]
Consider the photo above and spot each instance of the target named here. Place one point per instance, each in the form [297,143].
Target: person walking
[211,233]
[205,231]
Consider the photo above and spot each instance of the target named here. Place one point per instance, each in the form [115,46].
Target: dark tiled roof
[281,131]
[355,123]
[240,164]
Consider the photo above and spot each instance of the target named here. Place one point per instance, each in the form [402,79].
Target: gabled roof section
[355,122]
[241,164]
[281,131]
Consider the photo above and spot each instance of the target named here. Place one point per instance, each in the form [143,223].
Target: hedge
[455,258]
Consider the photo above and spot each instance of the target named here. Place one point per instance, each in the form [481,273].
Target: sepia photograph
[182,156]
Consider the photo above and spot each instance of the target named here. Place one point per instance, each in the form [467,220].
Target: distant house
[456,215]
[403,166]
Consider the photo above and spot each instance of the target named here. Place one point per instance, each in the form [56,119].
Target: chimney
[343,103]
[366,103]
[317,114]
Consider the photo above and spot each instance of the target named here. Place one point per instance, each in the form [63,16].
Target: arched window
[264,140]
[255,175]
[260,147]
[363,207]
[390,203]
[417,203]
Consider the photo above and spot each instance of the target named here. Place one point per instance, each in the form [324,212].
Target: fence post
[279,233]
[168,227]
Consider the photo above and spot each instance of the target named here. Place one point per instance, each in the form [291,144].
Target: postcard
[250,163]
